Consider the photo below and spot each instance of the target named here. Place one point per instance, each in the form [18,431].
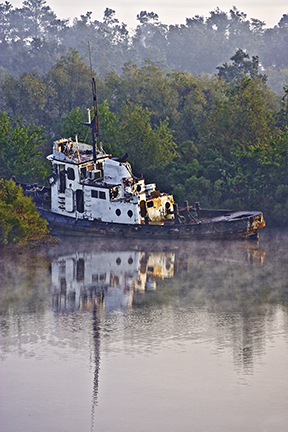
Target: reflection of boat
[115,279]
[109,278]
[91,192]
[255,255]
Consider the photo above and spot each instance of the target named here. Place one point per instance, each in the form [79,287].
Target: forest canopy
[33,38]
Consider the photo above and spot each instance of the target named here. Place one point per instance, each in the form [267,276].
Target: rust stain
[159,208]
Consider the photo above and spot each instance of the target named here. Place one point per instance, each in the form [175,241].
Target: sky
[169,11]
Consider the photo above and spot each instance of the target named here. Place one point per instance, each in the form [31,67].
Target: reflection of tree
[248,344]
[239,294]
[245,331]
[24,281]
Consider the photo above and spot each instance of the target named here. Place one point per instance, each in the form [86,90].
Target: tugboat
[93,193]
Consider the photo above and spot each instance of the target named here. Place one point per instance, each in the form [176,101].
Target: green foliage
[69,80]
[277,79]
[190,104]
[147,148]
[147,86]
[264,173]
[27,97]
[109,135]
[19,220]
[245,115]
[21,152]
[240,66]
[72,125]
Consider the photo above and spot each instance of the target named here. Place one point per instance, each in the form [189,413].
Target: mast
[94,124]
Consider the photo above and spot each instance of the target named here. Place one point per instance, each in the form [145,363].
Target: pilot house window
[98,194]
[70,174]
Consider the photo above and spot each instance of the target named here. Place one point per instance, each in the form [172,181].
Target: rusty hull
[243,223]
[232,226]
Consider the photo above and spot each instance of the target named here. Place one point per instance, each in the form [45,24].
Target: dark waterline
[145,336]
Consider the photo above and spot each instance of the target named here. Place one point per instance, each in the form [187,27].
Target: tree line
[221,140]
[32,38]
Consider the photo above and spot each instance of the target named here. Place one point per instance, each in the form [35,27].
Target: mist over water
[145,336]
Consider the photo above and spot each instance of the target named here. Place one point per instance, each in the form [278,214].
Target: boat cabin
[105,189]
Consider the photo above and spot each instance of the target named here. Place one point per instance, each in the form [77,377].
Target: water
[145,336]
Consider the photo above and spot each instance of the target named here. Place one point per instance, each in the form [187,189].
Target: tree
[19,220]
[21,151]
[109,17]
[245,115]
[27,97]
[190,108]
[149,39]
[274,45]
[70,79]
[109,134]
[261,176]
[30,37]
[5,33]
[282,116]
[147,86]
[147,148]
[109,41]
[5,9]
[36,20]
[218,21]
[240,66]
[72,125]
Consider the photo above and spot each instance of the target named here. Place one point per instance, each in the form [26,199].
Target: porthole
[130,213]
[130,260]
[118,212]
[118,261]
[167,205]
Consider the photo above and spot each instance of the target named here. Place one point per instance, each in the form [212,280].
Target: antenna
[94,124]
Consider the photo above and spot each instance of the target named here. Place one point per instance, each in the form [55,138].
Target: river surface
[145,336]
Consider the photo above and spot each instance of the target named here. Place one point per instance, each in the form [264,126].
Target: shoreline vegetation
[203,121]
[20,222]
